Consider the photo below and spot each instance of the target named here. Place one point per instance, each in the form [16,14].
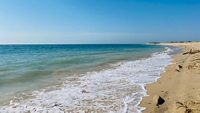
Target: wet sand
[178,89]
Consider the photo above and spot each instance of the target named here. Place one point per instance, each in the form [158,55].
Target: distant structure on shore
[170,42]
[153,42]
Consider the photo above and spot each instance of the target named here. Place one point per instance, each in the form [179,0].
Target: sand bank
[179,86]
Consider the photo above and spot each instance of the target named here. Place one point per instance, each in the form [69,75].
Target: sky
[98,21]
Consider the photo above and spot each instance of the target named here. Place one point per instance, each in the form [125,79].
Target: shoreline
[96,86]
[178,85]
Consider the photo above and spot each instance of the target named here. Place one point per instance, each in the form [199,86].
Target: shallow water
[99,78]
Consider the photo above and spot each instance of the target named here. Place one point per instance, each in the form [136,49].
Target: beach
[97,78]
[177,91]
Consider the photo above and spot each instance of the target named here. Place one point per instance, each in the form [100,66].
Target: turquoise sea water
[28,68]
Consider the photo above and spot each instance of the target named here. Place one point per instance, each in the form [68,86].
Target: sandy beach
[177,91]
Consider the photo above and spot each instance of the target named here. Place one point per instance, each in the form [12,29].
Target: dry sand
[179,86]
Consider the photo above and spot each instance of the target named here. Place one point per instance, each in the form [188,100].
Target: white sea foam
[117,90]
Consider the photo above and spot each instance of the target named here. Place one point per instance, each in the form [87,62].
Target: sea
[79,78]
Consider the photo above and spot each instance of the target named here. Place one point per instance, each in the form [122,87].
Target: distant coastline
[160,43]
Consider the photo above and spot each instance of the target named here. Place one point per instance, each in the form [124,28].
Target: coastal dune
[178,89]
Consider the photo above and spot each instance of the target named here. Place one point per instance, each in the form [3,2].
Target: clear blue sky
[98,21]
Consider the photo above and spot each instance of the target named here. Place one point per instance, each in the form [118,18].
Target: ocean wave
[116,90]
